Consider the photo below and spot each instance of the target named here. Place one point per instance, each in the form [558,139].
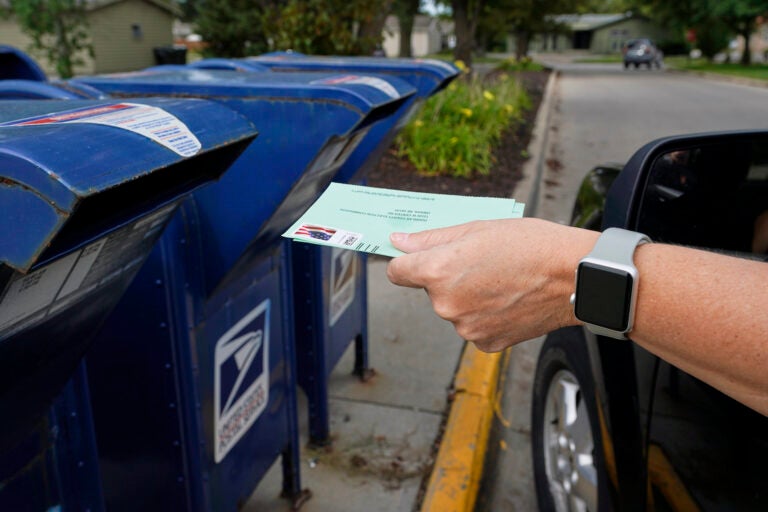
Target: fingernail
[398,237]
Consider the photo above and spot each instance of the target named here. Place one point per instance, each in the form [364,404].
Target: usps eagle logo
[316,232]
[241,378]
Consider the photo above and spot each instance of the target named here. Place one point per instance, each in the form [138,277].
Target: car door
[704,450]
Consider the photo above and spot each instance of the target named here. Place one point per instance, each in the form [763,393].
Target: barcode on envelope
[350,240]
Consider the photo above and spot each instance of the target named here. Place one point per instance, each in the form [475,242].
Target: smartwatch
[606,284]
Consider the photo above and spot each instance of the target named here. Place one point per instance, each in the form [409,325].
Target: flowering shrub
[524,64]
[456,130]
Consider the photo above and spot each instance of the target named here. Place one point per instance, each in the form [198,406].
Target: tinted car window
[707,197]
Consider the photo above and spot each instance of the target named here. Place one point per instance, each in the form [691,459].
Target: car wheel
[565,435]
[637,64]
[626,65]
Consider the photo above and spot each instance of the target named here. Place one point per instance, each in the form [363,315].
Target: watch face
[603,296]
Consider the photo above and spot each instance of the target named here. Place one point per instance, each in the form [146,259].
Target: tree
[236,28]
[606,6]
[372,26]
[189,9]
[233,28]
[710,17]
[740,16]
[466,16]
[58,29]
[712,36]
[406,11]
[341,27]
[526,18]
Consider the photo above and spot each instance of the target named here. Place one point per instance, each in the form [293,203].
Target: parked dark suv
[642,51]
[613,426]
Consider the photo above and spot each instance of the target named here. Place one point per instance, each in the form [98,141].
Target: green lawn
[757,71]
[601,59]
[448,57]
[512,65]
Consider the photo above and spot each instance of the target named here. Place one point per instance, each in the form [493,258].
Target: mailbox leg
[319,416]
[362,364]
[292,490]
[291,456]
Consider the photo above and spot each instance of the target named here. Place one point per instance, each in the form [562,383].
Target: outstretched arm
[503,282]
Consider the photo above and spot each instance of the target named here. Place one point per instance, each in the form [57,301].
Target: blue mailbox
[332,280]
[215,405]
[21,78]
[15,64]
[81,213]
[20,89]
[428,76]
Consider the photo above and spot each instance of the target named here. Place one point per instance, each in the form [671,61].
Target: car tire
[565,437]
[626,65]
[637,65]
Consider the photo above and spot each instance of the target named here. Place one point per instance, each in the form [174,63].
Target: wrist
[577,243]
[607,283]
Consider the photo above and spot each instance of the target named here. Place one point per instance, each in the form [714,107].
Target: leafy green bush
[456,130]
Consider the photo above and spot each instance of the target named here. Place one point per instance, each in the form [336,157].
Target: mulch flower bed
[509,157]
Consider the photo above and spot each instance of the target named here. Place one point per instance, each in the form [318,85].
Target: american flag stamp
[325,234]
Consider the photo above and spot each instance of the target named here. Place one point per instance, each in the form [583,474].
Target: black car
[641,51]
[613,426]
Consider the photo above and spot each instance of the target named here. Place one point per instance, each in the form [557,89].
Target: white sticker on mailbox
[241,378]
[151,122]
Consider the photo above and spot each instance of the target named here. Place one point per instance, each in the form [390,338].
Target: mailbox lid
[310,123]
[363,93]
[229,64]
[16,64]
[34,90]
[428,75]
[61,162]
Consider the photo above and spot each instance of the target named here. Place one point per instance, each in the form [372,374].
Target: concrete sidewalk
[385,430]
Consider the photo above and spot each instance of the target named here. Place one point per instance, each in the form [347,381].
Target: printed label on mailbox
[343,270]
[151,122]
[30,298]
[439,63]
[371,81]
[241,378]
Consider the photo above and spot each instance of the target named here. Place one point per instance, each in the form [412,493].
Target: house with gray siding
[598,33]
[123,34]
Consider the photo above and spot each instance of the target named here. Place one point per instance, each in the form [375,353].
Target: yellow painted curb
[455,478]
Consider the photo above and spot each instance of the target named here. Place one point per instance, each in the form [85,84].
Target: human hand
[499,282]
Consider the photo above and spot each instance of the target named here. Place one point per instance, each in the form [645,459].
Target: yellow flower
[452,87]
[509,108]
[460,64]
[418,123]
[488,95]
[466,111]
[453,140]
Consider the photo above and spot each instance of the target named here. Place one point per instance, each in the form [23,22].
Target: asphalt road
[599,113]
